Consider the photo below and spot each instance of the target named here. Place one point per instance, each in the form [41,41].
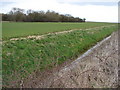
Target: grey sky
[92,10]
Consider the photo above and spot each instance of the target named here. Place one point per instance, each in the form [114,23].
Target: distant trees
[19,15]
[16,14]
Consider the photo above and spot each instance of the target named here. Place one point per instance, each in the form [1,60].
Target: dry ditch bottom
[97,68]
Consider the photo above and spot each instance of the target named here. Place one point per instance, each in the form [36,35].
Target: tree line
[19,15]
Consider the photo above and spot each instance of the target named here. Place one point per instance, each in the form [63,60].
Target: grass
[22,57]
[13,29]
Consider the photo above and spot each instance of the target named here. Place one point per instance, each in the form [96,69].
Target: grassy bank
[22,57]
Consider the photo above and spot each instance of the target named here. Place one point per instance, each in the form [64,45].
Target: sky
[92,10]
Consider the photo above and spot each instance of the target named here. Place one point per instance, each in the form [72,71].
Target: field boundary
[37,56]
[89,51]
[70,76]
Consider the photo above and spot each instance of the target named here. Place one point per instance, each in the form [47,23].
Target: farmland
[24,56]
[19,29]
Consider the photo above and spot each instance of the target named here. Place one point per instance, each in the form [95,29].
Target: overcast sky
[92,10]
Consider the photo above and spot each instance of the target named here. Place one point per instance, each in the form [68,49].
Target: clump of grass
[22,57]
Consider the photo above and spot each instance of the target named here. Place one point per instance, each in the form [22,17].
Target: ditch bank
[97,68]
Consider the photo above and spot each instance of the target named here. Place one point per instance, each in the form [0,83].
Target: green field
[18,29]
[24,57]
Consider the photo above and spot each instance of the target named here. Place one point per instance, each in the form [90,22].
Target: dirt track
[97,68]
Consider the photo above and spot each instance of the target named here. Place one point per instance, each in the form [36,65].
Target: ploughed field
[35,47]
